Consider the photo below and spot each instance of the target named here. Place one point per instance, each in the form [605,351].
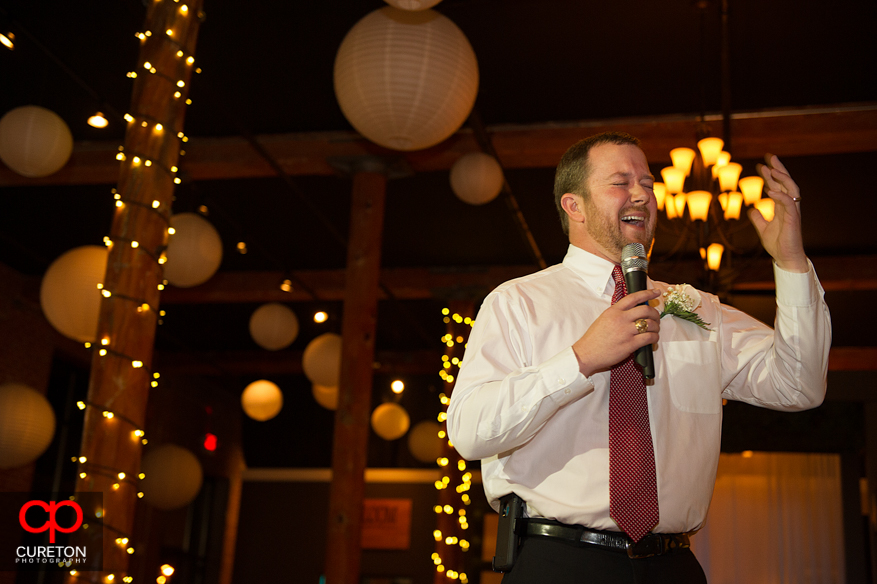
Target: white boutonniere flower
[681,301]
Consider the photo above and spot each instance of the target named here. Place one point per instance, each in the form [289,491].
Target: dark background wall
[283,532]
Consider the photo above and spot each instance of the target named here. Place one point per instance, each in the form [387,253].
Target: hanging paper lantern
[27,425]
[273,326]
[173,477]
[390,421]
[194,251]
[34,141]
[406,80]
[476,178]
[412,4]
[325,396]
[321,360]
[262,400]
[424,442]
[69,294]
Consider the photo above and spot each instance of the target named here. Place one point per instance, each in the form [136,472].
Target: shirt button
[561,381]
[567,390]
[524,408]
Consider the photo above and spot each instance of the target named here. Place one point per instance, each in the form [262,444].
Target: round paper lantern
[34,141]
[173,477]
[406,80]
[326,396]
[262,400]
[390,421]
[273,326]
[27,425]
[194,251]
[412,4]
[476,178]
[423,441]
[69,294]
[321,360]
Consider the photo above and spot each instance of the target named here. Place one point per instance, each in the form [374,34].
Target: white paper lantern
[424,442]
[34,141]
[476,178]
[390,421]
[194,251]
[273,326]
[262,400]
[27,425]
[406,80]
[321,360]
[412,4]
[173,477]
[326,396]
[69,294]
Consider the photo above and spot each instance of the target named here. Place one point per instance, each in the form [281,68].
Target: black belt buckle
[652,544]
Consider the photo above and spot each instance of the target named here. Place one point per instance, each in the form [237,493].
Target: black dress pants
[543,560]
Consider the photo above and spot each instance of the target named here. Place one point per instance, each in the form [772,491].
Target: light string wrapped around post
[121,373]
[456,480]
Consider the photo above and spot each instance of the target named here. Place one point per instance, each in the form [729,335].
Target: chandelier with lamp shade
[707,184]
[702,194]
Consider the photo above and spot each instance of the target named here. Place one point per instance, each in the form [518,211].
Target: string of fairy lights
[451,470]
[139,162]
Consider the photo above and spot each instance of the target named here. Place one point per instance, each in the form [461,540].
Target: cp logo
[51,524]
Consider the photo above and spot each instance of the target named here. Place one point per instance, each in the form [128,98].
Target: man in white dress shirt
[531,398]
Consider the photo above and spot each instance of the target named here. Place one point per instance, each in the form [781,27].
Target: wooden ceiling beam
[420,362]
[424,283]
[286,362]
[790,132]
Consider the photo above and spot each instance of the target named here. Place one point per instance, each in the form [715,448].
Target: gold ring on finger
[642,325]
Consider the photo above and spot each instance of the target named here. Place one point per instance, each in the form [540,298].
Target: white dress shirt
[541,428]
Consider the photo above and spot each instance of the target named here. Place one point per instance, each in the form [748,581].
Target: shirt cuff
[561,376]
[797,289]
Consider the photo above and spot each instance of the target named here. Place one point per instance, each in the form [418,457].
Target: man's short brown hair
[573,169]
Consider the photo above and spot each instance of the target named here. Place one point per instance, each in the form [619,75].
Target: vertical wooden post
[232,516]
[450,498]
[350,448]
[121,366]
[855,553]
[871,474]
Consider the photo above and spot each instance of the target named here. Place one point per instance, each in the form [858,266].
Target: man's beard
[606,231]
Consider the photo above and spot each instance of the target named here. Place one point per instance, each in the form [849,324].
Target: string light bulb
[7,39]
[98,120]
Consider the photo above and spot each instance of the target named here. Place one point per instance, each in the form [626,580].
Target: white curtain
[775,518]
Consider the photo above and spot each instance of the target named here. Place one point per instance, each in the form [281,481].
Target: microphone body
[634,266]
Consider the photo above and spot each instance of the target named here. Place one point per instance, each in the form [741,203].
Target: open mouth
[635,220]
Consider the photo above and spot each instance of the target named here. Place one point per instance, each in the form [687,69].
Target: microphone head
[633,258]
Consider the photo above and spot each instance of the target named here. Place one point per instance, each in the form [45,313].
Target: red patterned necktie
[633,494]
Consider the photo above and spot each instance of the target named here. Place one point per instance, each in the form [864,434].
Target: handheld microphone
[634,266]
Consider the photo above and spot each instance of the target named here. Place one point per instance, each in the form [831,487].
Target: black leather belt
[652,544]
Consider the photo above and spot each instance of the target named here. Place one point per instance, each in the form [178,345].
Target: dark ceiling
[267,70]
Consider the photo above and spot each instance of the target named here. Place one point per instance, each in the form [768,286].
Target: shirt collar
[594,270]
